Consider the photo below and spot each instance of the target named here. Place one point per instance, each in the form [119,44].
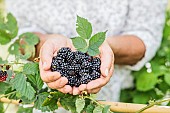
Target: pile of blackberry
[3,75]
[79,68]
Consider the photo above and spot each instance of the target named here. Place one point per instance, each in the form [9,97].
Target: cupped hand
[107,66]
[48,50]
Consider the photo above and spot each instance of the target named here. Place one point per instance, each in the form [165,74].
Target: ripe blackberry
[63,52]
[96,67]
[64,66]
[96,61]
[72,80]
[70,56]
[86,65]
[79,68]
[3,75]
[85,79]
[83,72]
[95,75]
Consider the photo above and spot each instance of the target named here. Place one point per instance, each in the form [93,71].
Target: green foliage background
[153,80]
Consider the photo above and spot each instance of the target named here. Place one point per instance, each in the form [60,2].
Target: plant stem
[8,94]
[94,101]
[152,104]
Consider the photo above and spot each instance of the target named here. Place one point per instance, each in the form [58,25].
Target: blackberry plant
[20,79]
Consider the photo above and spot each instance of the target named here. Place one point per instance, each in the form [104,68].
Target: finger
[58,83]
[66,89]
[107,58]
[48,76]
[96,83]
[76,91]
[94,91]
[46,55]
[82,87]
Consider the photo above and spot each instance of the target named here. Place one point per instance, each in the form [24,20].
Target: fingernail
[106,72]
[44,65]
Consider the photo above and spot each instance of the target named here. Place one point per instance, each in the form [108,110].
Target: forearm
[128,49]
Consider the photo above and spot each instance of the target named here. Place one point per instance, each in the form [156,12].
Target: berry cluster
[3,75]
[79,68]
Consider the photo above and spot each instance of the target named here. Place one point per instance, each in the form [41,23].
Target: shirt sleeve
[145,19]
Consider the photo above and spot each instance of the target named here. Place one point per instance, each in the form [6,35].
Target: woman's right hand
[47,51]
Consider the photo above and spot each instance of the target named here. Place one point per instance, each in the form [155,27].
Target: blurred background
[152,82]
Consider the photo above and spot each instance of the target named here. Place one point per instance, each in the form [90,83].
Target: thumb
[107,58]
[46,55]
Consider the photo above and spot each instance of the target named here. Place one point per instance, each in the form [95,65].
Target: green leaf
[106,109]
[40,99]
[146,81]
[80,103]
[93,51]
[98,109]
[68,102]
[14,48]
[167,78]
[36,81]
[25,110]
[1,107]
[97,40]
[51,102]
[29,38]
[10,73]
[30,68]
[79,43]
[90,108]
[2,61]
[24,88]
[95,43]
[84,28]
[3,39]
[29,41]
[3,87]
[141,98]
[8,29]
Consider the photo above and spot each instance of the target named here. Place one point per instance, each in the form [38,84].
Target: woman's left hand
[107,66]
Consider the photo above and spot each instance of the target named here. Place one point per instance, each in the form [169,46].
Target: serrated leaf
[92,51]
[97,39]
[95,43]
[106,109]
[51,102]
[68,102]
[25,110]
[167,78]
[10,73]
[29,38]
[40,99]
[3,87]
[36,81]
[90,108]
[24,88]
[80,103]
[98,109]
[1,107]
[80,43]
[14,48]
[30,68]
[84,28]
[8,29]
